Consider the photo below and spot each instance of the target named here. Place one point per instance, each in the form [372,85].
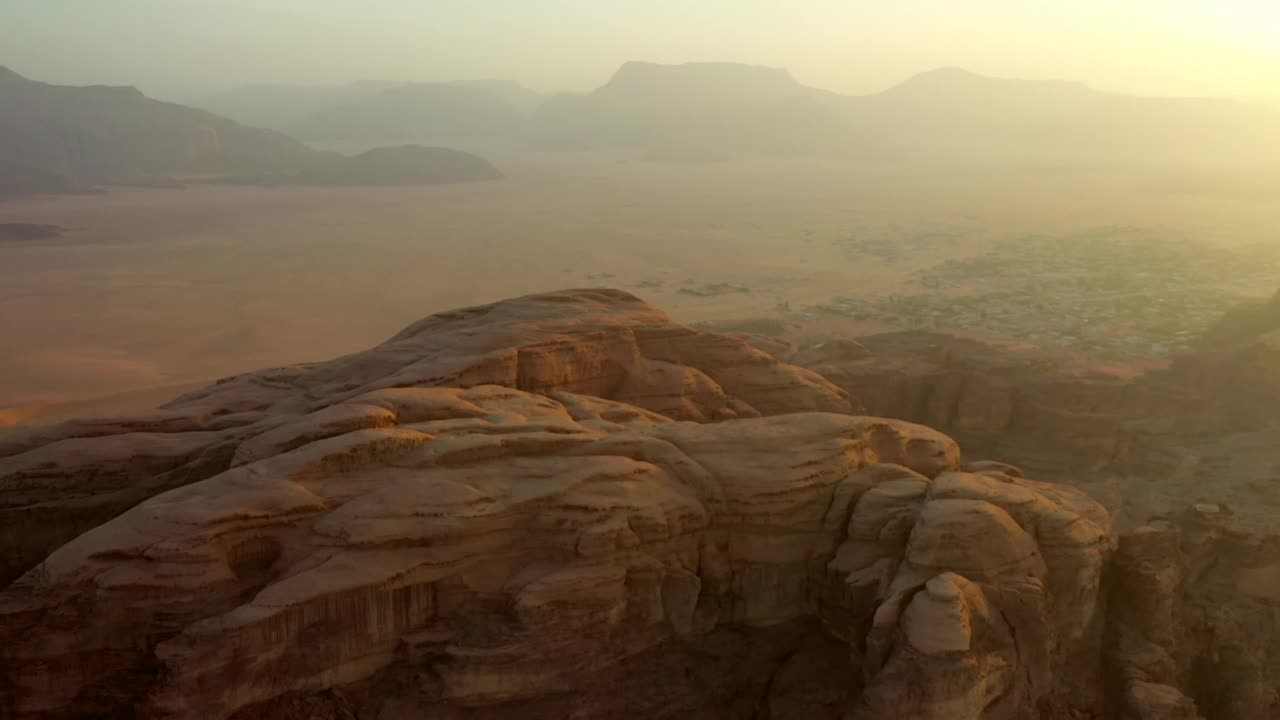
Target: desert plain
[150,291]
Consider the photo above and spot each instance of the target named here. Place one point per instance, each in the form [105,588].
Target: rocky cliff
[570,506]
[1202,430]
[58,482]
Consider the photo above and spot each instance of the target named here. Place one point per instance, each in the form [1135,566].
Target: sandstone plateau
[570,506]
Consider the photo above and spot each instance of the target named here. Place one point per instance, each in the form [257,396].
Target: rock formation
[1244,324]
[1238,367]
[569,506]
[58,482]
[1203,430]
[1194,603]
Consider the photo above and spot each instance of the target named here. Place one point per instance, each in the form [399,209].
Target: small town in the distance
[703,393]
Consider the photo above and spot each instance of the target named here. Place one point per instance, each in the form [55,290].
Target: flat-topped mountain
[694,105]
[960,85]
[712,85]
[69,139]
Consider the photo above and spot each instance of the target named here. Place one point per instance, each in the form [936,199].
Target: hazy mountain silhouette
[953,114]
[57,138]
[663,106]
[519,96]
[415,112]
[938,117]
[61,138]
[704,86]
[67,139]
[278,106]
[403,165]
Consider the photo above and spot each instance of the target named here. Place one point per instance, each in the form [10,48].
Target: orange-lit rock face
[568,506]
[58,482]
[515,538]
[513,541]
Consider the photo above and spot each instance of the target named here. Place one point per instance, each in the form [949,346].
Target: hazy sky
[185,48]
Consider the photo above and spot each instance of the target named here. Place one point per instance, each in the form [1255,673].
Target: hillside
[280,105]
[421,111]
[518,96]
[695,105]
[56,139]
[952,114]
[942,117]
[404,165]
[1244,324]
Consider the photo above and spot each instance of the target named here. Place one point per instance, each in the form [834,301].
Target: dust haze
[732,194]
[565,359]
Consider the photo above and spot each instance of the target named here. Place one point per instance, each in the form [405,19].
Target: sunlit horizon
[195,47]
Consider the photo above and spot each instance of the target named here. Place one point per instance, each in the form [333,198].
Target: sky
[184,49]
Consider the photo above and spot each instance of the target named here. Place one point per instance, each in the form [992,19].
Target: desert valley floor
[150,290]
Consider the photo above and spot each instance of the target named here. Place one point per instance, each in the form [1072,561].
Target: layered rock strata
[57,482]
[569,506]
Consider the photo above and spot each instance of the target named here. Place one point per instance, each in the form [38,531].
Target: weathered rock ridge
[569,506]
[1202,430]
[58,482]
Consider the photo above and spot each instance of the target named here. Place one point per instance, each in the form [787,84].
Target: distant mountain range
[61,138]
[952,114]
[70,139]
[943,116]
[693,106]
[346,109]
[279,106]
[415,112]
[701,110]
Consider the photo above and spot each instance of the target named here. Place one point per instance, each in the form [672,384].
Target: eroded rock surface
[568,506]
[1196,608]
[58,482]
[1202,430]
[510,545]
[994,401]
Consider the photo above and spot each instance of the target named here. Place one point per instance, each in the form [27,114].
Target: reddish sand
[154,288]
